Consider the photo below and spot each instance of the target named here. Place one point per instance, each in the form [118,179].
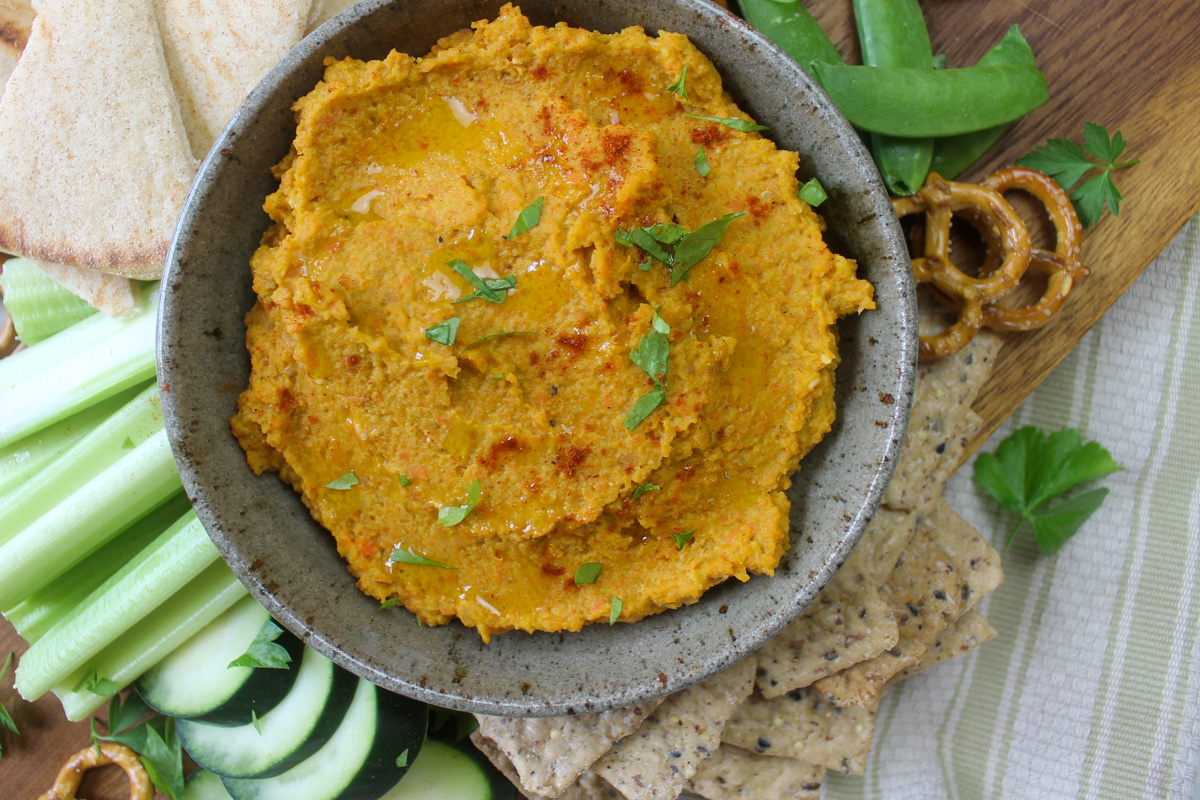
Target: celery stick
[91,516]
[132,424]
[178,619]
[25,458]
[91,373]
[40,306]
[42,610]
[177,556]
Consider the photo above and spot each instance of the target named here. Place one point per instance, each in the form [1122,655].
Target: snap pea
[892,33]
[953,154]
[927,102]
[788,24]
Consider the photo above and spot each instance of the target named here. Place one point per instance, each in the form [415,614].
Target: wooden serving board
[1129,66]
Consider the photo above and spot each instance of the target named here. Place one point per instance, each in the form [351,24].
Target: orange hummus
[377,394]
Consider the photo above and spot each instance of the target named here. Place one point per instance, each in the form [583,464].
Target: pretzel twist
[69,777]
[1009,252]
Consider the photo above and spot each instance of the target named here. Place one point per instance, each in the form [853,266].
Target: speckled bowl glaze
[289,562]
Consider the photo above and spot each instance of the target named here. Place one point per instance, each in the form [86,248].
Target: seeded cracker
[804,725]
[968,631]
[550,753]
[946,389]
[731,773]
[588,786]
[975,561]
[923,593]
[656,761]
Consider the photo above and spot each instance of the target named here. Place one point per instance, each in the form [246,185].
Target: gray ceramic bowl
[289,563]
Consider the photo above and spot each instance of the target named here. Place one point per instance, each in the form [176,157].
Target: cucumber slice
[443,772]
[196,681]
[359,761]
[203,785]
[291,732]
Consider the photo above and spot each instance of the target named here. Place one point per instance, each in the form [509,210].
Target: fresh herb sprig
[264,652]
[155,741]
[5,718]
[1067,163]
[676,246]
[1029,469]
[651,354]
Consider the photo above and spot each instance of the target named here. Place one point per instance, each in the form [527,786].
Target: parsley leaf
[652,351]
[701,162]
[402,556]
[1067,163]
[404,481]
[698,244]
[444,332]
[482,339]
[264,652]
[679,87]
[743,125]
[96,685]
[587,573]
[402,759]
[5,718]
[155,741]
[683,538]
[490,289]
[255,721]
[614,610]
[127,444]
[1029,469]
[644,406]
[529,217]
[452,515]
[812,193]
[643,488]
[343,483]
[391,601]
[643,238]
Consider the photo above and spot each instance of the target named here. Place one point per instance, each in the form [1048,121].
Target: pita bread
[732,773]
[324,10]
[115,296]
[218,50]
[94,162]
[16,18]
[656,761]
[550,753]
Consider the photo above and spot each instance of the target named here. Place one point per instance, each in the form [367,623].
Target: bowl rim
[573,696]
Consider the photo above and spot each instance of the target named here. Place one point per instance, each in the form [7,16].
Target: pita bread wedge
[804,725]
[324,10]
[656,761]
[550,753]
[94,162]
[732,773]
[218,50]
[16,18]
[115,296]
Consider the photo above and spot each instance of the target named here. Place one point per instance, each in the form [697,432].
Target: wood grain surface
[1130,66]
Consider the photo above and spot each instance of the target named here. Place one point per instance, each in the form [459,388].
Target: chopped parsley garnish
[264,652]
[643,488]
[452,515]
[812,193]
[499,376]
[127,444]
[391,601]
[402,556]
[614,610]
[97,685]
[1067,163]
[1029,469]
[482,339]
[343,483]
[5,718]
[683,538]
[444,332]
[402,759]
[490,289]
[404,481]
[255,721]
[690,247]
[743,125]
[587,573]
[701,162]
[651,356]
[528,218]
[679,87]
